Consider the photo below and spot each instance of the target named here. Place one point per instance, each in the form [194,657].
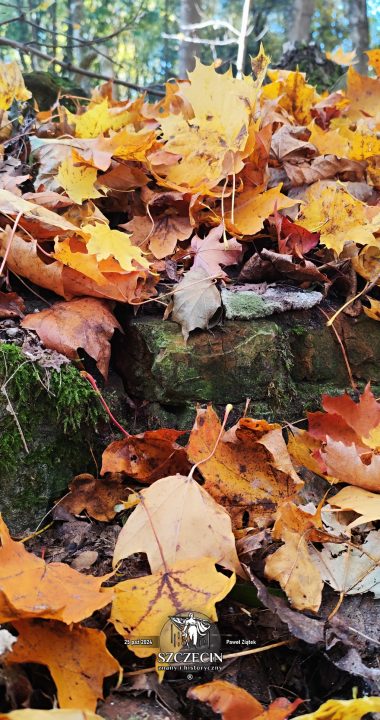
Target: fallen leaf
[28,587]
[374,310]
[85,323]
[364,503]
[250,472]
[345,463]
[292,566]
[337,216]
[374,59]
[29,714]
[96,497]
[12,86]
[39,221]
[142,605]
[210,253]
[172,537]
[351,570]
[195,302]
[11,305]
[105,243]
[293,239]
[234,703]
[78,181]
[77,658]
[146,457]
[251,208]
[340,57]
[344,709]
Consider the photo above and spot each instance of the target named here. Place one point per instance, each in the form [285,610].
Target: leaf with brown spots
[11,305]
[96,497]
[143,605]
[250,473]
[147,457]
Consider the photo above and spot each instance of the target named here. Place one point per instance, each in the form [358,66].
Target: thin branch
[199,41]
[215,24]
[5,42]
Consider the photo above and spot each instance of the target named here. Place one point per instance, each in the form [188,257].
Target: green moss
[48,423]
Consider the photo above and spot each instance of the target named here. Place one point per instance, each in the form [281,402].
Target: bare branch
[215,24]
[29,50]
[200,41]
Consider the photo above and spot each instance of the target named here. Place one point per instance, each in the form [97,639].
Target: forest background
[145,42]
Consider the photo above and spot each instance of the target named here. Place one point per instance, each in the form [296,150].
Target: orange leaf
[234,703]
[85,323]
[28,586]
[77,658]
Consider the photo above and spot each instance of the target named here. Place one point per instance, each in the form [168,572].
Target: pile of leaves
[228,507]
[246,181]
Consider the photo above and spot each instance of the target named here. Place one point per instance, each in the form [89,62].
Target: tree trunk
[359,31]
[189,14]
[303,11]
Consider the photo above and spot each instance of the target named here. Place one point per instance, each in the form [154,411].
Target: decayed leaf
[29,714]
[344,709]
[373,311]
[210,253]
[234,703]
[364,503]
[172,536]
[195,301]
[85,323]
[143,605]
[78,181]
[12,85]
[11,305]
[337,216]
[97,497]
[146,457]
[39,221]
[298,576]
[77,658]
[28,586]
[250,472]
[351,570]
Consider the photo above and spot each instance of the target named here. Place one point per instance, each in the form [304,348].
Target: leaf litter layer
[129,202]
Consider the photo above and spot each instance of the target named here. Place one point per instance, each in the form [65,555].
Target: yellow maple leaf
[78,180]
[252,208]
[342,58]
[344,709]
[105,243]
[12,85]
[294,94]
[364,95]
[337,216]
[29,714]
[73,254]
[328,142]
[143,605]
[373,311]
[374,59]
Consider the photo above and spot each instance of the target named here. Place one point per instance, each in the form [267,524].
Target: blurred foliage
[140,53]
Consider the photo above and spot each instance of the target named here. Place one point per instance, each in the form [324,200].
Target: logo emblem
[189,641]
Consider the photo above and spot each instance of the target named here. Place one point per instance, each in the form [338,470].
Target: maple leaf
[162,232]
[12,86]
[351,570]
[374,310]
[364,503]
[78,181]
[146,457]
[374,59]
[328,142]
[171,537]
[234,703]
[363,94]
[347,465]
[11,305]
[253,207]
[28,586]
[344,709]
[85,323]
[293,239]
[39,221]
[250,471]
[340,57]
[77,658]
[195,302]
[294,95]
[210,253]
[142,605]
[105,243]
[97,497]
[337,216]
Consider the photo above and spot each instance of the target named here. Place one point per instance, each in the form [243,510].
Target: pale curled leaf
[195,301]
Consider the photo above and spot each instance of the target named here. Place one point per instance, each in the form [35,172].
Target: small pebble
[12,332]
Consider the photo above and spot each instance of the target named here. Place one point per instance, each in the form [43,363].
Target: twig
[264,648]
[6,42]
[92,382]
